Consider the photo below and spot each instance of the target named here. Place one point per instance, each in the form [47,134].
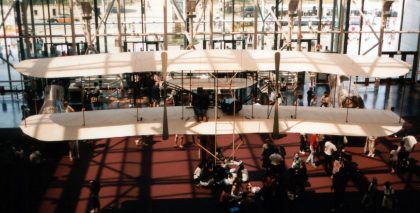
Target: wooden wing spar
[152,121]
[123,122]
[211,60]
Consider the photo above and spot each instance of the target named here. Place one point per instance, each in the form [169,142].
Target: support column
[341,36]
[95,7]
[299,36]
[255,24]
[24,7]
[118,40]
[31,8]
[346,27]
[276,26]
[19,24]
[211,25]
[165,25]
[73,31]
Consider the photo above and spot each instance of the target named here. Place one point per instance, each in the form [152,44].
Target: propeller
[165,131]
[276,132]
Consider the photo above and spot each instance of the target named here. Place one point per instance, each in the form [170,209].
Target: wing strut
[165,131]
[182,93]
[347,112]
[234,114]
[276,133]
[83,101]
[253,94]
[402,99]
[216,91]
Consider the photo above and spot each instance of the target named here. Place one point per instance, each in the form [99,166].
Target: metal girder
[179,15]
[7,14]
[102,20]
[177,12]
[201,15]
[365,18]
[270,13]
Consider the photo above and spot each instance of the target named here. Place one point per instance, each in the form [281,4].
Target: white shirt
[326,100]
[35,157]
[197,172]
[272,96]
[329,148]
[409,142]
[245,176]
[314,102]
[275,159]
[393,155]
[229,180]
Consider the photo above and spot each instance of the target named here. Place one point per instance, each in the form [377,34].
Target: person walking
[10,53]
[369,200]
[313,147]
[268,149]
[302,144]
[329,149]
[94,188]
[1,55]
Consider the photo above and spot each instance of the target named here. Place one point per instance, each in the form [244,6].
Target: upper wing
[210,61]
[123,122]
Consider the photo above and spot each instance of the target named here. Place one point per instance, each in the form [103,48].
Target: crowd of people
[283,186]
[16,154]
[399,156]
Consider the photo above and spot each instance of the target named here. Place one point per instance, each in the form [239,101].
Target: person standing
[325,100]
[339,182]
[369,200]
[299,100]
[156,94]
[409,142]
[402,156]
[179,141]
[67,107]
[388,200]
[393,159]
[94,99]
[268,149]
[297,161]
[73,145]
[35,157]
[201,103]
[370,146]
[309,95]
[314,101]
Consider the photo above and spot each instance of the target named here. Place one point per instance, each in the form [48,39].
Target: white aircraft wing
[210,61]
[123,122]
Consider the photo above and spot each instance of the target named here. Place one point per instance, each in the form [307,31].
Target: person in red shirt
[313,146]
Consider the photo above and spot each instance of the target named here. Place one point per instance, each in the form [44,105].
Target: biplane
[167,120]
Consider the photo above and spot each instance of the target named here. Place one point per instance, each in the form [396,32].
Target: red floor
[128,173]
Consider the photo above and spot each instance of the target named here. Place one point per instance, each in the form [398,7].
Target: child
[179,141]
